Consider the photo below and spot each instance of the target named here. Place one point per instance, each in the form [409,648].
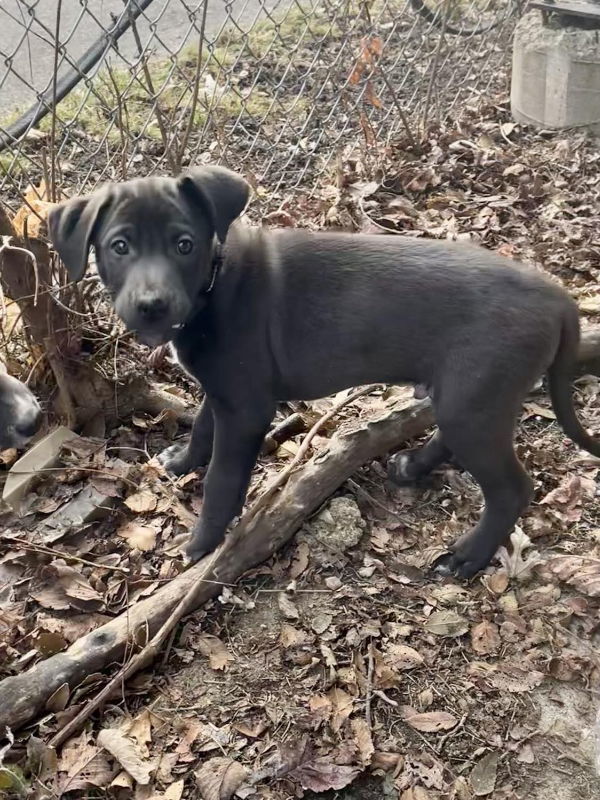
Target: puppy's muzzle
[152,308]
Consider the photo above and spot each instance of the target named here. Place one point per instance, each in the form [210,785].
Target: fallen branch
[260,533]
[253,540]
[589,351]
[189,602]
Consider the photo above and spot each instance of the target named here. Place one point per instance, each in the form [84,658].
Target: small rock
[339,526]
[320,623]
[333,582]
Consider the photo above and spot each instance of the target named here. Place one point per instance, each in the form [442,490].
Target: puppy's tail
[560,375]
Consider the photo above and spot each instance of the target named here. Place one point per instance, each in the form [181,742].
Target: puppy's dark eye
[185,246]
[120,247]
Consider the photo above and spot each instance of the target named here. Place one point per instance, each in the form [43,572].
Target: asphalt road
[32,55]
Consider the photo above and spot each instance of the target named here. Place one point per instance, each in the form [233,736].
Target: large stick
[24,696]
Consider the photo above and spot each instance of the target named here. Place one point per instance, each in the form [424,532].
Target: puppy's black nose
[27,427]
[152,307]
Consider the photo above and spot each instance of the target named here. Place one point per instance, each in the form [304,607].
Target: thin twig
[434,70]
[120,122]
[369,686]
[53,126]
[383,696]
[150,86]
[195,90]
[451,733]
[51,551]
[401,113]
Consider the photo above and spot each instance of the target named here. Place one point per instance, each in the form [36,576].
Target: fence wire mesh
[96,90]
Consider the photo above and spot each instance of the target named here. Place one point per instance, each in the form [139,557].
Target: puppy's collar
[217,261]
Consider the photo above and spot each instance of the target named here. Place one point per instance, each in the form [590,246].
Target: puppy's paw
[175,459]
[402,469]
[200,544]
[461,563]
[194,551]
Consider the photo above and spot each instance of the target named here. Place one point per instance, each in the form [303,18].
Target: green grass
[224,59]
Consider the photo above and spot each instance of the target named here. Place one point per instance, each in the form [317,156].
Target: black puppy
[20,414]
[259,317]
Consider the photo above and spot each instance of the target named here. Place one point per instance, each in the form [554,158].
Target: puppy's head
[154,243]
[20,414]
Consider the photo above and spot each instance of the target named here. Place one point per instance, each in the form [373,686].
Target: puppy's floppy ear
[222,194]
[71,225]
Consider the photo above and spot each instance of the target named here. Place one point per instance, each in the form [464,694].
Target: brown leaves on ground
[299,761]
[127,753]
[363,667]
[428,721]
[215,650]
[219,778]
[582,572]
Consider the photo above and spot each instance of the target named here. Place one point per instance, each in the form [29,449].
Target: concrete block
[556,75]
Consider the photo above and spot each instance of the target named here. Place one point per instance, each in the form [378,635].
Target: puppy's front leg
[183,458]
[238,438]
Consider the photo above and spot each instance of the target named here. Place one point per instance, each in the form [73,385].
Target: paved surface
[81,24]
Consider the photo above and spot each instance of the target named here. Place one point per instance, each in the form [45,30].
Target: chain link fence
[96,90]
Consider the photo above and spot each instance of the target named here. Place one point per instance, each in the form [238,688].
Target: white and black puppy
[263,316]
[20,413]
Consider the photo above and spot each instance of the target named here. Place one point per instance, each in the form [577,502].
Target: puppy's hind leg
[482,443]
[410,465]
[180,459]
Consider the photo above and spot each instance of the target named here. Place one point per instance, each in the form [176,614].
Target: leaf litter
[352,670]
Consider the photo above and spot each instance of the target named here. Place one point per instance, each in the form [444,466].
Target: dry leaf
[497,582]
[291,637]
[215,650]
[415,793]
[126,753]
[300,560]
[428,721]
[566,501]
[65,587]
[507,128]
[363,739]
[483,775]
[583,572]
[485,638]
[535,410]
[49,643]
[219,778]
[82,766]
[287,608]
[140,729]
[526,754]
[508,679]
[141,537]
[341,703]
[252,728]
[402,657]
[58,699]
[320,623]
[142,502]
[321,775]
[320,708]
[446,623]
[515,565]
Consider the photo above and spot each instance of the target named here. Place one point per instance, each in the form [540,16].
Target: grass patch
[239,81]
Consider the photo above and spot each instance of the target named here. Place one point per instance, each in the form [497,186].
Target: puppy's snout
[29,424]
[152,307]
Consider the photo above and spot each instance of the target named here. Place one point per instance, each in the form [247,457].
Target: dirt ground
[342,668]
